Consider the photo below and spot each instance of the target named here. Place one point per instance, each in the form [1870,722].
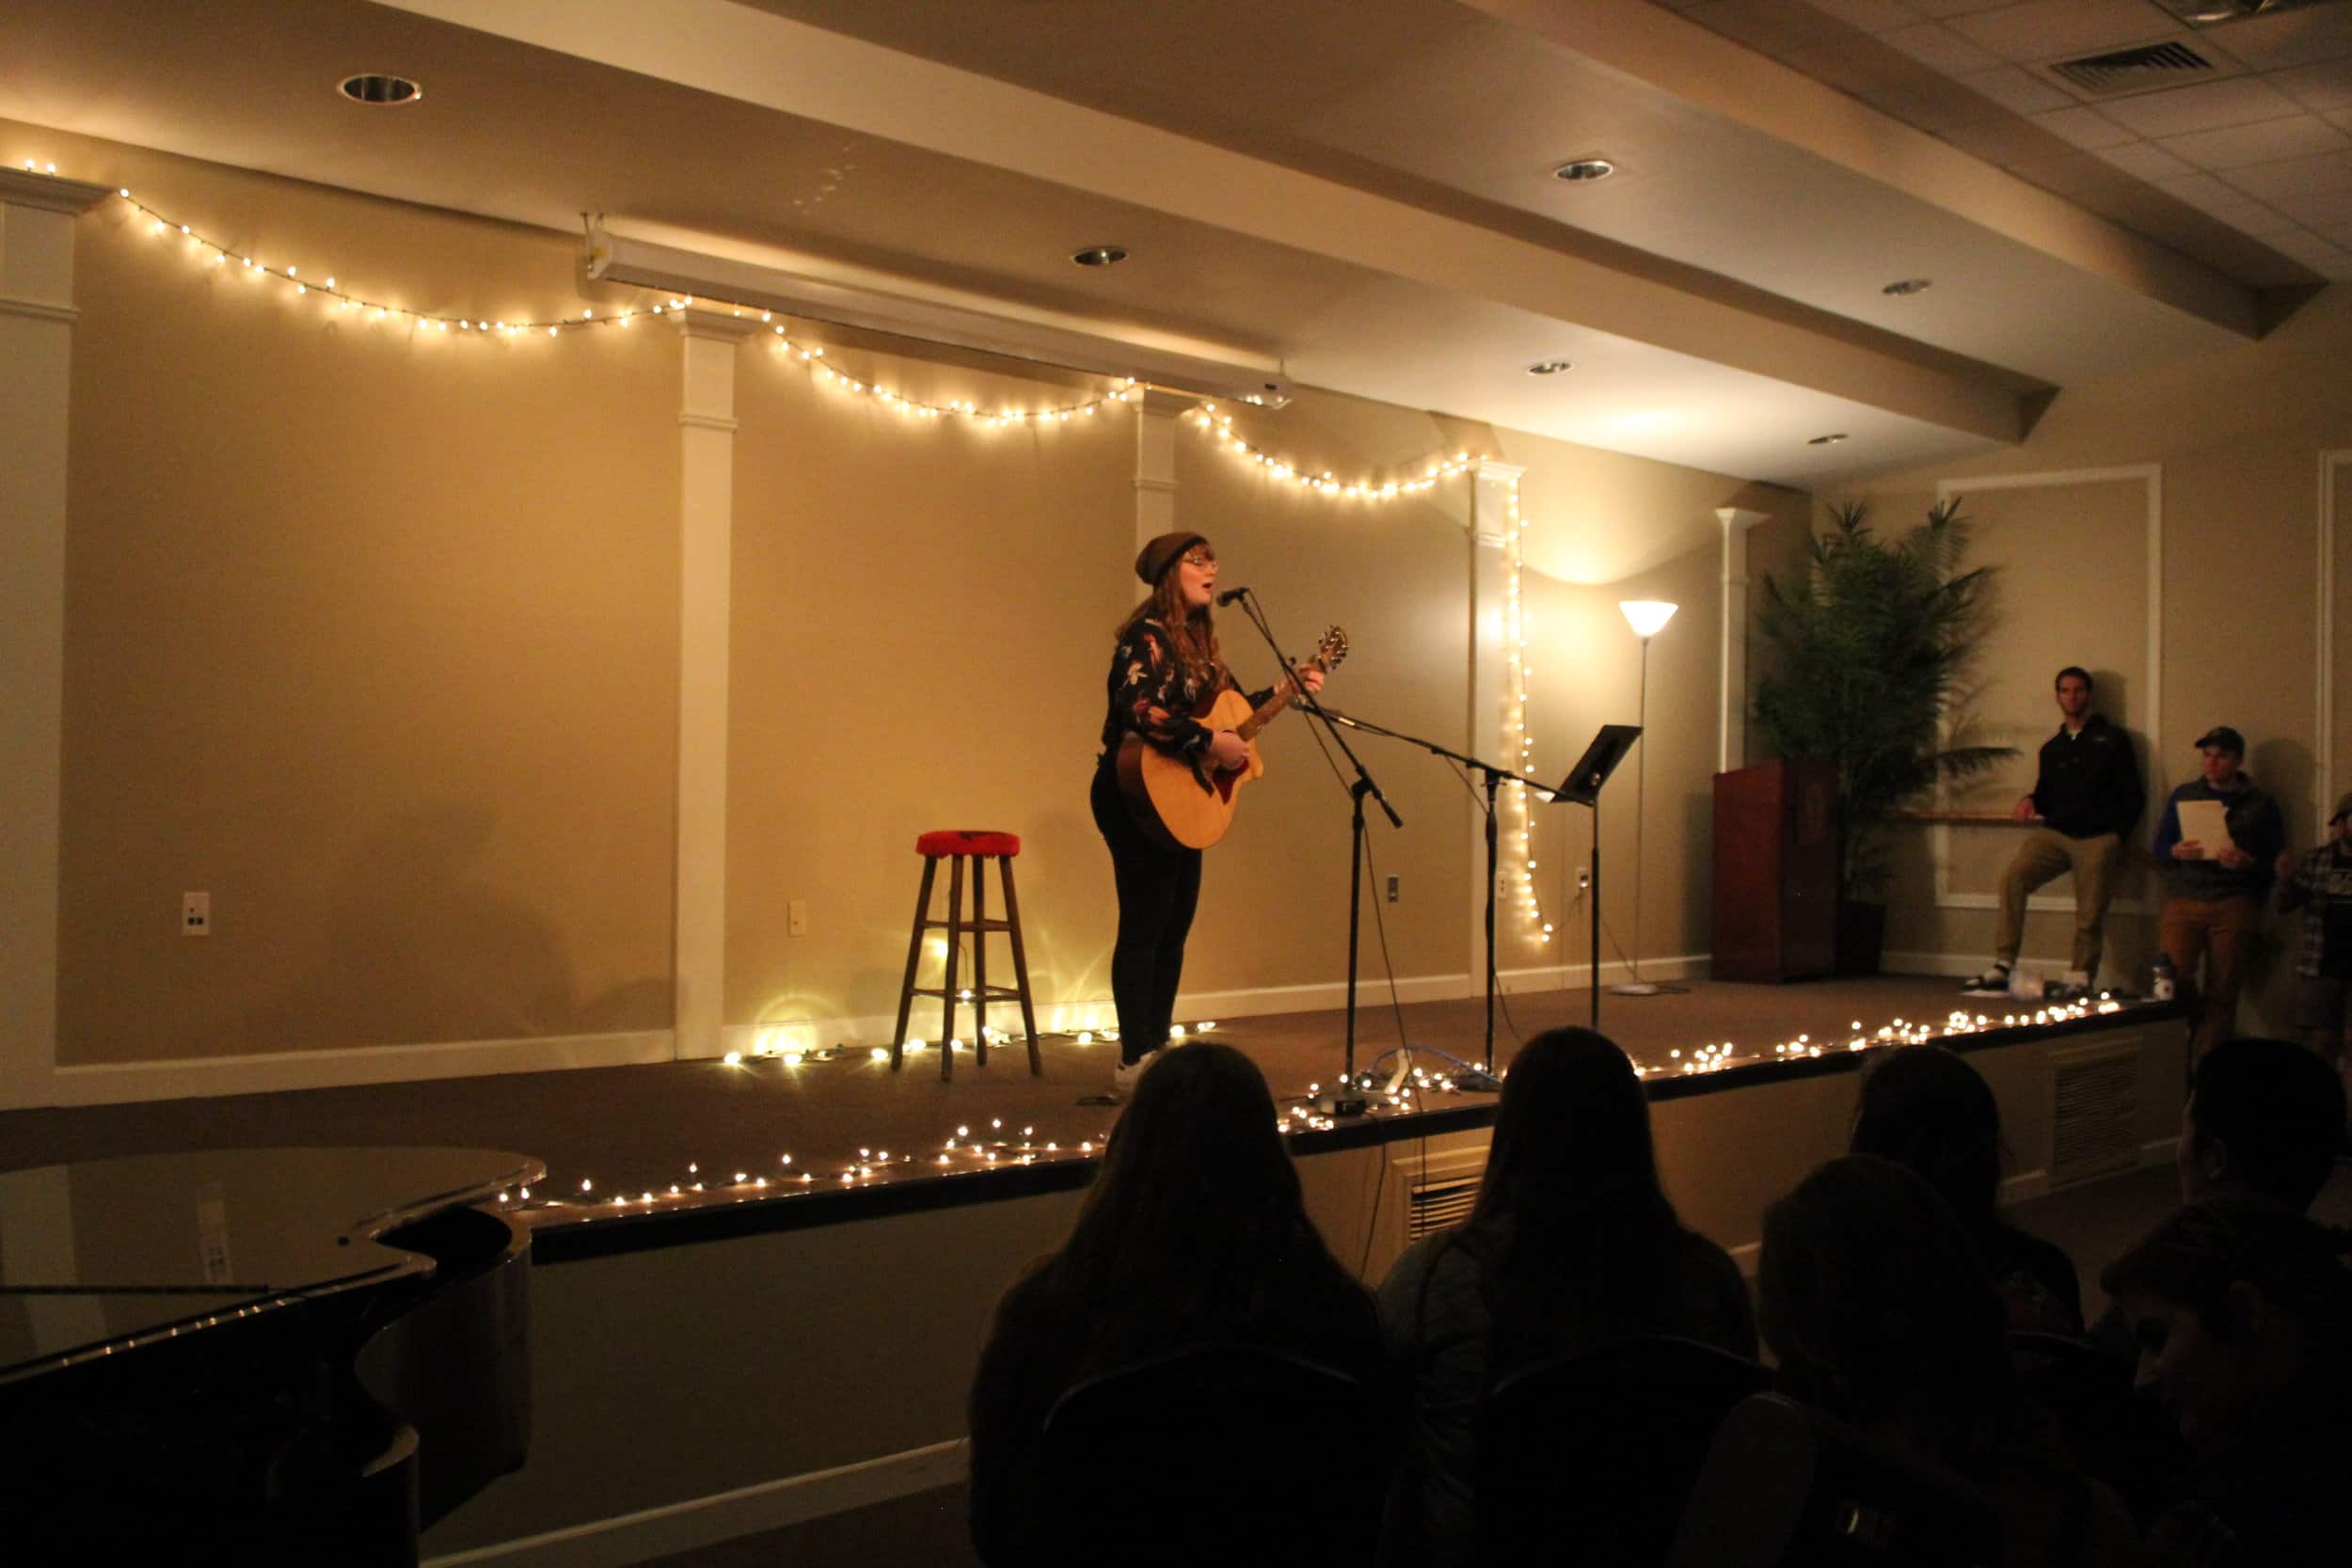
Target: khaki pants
[2045,856]
[2221,931]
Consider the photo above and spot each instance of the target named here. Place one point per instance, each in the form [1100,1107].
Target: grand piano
[258,1356]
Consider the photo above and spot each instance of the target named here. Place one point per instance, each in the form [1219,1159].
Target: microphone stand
[1348,1102]
[1494,777]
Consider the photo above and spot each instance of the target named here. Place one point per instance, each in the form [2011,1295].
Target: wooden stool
[957,846]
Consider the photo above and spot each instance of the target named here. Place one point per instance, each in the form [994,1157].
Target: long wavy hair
[1871,1297]
[1572,1228]
[1195,1222]
[1193,632]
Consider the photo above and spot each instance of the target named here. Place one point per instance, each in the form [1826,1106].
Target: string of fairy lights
[1517,743]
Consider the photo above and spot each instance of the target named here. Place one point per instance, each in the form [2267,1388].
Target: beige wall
[374,637]
[2237,439]
[371,635]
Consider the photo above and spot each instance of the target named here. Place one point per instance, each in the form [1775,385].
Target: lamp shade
[1648,617]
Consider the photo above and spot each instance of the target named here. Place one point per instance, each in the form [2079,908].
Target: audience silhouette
[1572,1242]
[1924,1108]
[1193,1233]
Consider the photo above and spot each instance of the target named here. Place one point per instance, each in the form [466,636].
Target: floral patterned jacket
[1153,696]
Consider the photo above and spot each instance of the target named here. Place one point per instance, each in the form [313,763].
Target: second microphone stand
[1362,787]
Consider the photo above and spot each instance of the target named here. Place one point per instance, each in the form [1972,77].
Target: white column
[1731,737]
[36,317]
[706,561]
[1490,550]
[1155,462]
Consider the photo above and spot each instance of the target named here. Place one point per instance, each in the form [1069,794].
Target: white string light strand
[1518,744]
[1208,418]
[1128,390]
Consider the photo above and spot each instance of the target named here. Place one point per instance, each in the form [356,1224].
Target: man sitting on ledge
[2085,795]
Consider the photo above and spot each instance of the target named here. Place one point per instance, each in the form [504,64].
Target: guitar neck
[1248,729]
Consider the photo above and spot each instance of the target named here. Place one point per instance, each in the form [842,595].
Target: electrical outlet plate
[1393,883]
[195,914]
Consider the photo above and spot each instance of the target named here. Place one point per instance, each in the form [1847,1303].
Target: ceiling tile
[2056,29]
[2317,86]
[2249,216]
[2203,191]
[2206,106]
[2330,171]
[2084,128]
[2269,142]
[2289,37]
[2323,210]
[1940,47]
[1871,16]
[1955,7]
[2145,161]
[2322,256]
[2018,92]
[2340,234]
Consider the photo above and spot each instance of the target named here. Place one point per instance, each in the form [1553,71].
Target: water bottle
[2164,982]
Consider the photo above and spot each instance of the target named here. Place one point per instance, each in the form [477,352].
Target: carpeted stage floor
[639,1129]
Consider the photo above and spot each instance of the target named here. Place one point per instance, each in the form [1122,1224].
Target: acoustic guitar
[1188,803]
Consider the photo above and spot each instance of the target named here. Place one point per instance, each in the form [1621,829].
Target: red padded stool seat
[957,845]
[967,841]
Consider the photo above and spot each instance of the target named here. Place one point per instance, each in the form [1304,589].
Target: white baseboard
[114,1082]
[1066,1017]
[700,1522]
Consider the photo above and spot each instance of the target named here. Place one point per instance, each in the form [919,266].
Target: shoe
[1993,982]
[1124,1075]
[2060,992]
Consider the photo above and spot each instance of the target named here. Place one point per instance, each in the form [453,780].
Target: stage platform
[710,1149]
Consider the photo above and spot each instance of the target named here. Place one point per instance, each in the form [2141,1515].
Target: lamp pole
[1648,617]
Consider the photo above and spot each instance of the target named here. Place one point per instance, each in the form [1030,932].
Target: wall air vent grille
[2130,70]
[1438,1204]
[2094,1101]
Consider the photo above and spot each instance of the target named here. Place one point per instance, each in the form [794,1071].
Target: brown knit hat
[1154,558]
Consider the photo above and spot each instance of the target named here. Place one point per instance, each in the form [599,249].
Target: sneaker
[1993,982]
[1124,1075]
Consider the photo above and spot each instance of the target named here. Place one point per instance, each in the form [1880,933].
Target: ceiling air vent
[2127,71]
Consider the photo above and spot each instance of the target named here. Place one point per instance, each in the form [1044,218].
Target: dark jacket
[2255,827]
[2089,782]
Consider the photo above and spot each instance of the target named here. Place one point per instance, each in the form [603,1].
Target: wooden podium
[1776,872]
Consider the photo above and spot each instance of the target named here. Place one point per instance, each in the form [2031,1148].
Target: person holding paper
[2218,841]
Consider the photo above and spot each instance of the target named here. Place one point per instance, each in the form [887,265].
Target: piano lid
[98,1255]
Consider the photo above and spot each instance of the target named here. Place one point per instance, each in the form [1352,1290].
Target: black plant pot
[1860,936]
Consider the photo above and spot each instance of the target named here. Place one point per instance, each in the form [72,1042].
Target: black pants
[1158,891]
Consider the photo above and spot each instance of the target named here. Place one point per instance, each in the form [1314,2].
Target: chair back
[1217,1453]
[1588,1458]
[1786,1486]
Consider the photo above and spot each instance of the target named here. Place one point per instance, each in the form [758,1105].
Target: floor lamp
[1648,617]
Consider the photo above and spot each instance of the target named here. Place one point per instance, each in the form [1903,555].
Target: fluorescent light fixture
[814,289]
[1648,617]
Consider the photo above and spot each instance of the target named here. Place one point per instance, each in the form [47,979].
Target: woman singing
[1165,666]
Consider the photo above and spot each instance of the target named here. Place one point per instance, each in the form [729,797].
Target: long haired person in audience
[1924,1108]
[1879,1313]
[1572,1242]
[2242,1311]
[1193,1232]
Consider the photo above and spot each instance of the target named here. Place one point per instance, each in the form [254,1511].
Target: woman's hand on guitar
[1228,751]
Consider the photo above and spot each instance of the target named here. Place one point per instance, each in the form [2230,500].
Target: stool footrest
[994,994]
[968,925]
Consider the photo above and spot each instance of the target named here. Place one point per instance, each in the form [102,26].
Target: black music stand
[1591,771]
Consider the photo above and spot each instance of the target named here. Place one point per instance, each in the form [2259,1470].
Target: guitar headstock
[1330,649]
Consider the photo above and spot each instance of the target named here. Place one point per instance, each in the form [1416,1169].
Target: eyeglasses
[1201,561]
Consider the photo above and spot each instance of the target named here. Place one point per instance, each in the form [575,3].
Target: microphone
[1230,594]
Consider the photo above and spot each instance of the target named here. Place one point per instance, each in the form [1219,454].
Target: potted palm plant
[1867,652]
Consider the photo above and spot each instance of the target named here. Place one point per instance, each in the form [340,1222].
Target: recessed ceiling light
[1550,367]
[1909,286]
[1100,256]
[1585,169]
[1829,440]
[377,87]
